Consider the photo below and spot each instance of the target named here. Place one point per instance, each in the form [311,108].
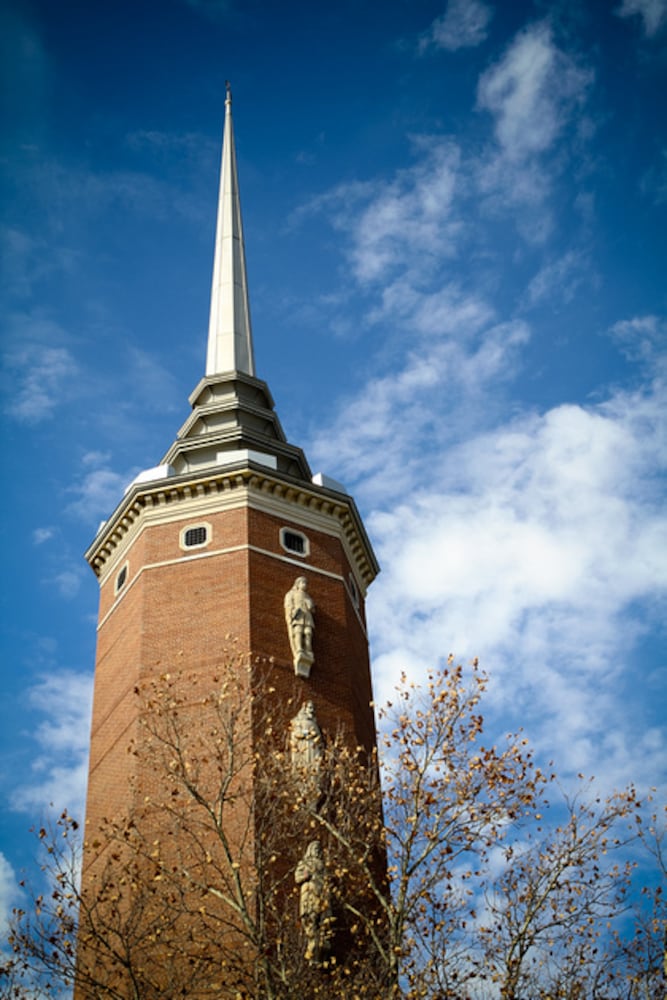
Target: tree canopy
[445,866]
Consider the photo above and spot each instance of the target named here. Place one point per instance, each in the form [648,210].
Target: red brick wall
[202,608]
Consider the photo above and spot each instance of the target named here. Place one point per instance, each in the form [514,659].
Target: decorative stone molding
[226,487]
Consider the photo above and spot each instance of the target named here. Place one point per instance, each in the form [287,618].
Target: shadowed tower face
[229,543]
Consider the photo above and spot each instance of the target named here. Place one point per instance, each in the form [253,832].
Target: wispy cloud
[445,310]
[643,338]
[40,369]
[55,786]
[435,393]
[463,25]
[408,228]
[64,699]
[531,91]
[9,893]
[536,94]
[190,143]
[41,535]
[68,581]
[529,538]
[559,279]
[653,14]
[98,491]
[526,540]
[411,214]
[59,772]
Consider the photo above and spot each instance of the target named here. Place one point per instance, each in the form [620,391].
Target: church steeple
[233,434]
[227,555]
[229,333]
[233,418]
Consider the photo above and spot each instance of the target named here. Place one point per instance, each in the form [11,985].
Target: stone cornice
[231,486]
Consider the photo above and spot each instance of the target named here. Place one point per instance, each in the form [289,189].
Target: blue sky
[455,231]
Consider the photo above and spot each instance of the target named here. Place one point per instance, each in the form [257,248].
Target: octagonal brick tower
[207,544]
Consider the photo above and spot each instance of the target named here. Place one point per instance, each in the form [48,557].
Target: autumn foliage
[446,876]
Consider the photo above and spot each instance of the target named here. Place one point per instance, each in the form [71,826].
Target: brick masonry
[191,609]
[187,613]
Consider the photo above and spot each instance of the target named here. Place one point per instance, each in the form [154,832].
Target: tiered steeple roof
[232,443]
[233,418]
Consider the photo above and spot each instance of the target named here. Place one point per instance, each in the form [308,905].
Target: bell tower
[230,535]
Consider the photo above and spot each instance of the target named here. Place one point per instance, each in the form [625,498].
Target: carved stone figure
[299,608]
[306,745]
[314,902]
[306,749]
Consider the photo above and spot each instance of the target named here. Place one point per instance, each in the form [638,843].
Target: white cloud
[531,92]
[643,338]
[537,544]
[68,581]
[529,546]
[652,12]
[376,437]
[559,279]
[408,230]
[533,540]
[41,535]
[65,699]
[463,25]
[9,893]
[445,310]
[58,785]
[95,458]
[408,219]
[40,370]
[98,492]
[60,769]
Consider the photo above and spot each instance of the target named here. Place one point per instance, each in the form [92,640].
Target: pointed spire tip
[229,333]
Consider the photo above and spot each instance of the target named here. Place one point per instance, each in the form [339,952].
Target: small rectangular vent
[295,542]
[195,536]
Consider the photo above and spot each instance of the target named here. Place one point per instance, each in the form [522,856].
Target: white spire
[229,331]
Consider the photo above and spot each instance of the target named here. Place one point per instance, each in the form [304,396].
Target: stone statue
[306,745]
[306,749]
[314,902]
[299,609]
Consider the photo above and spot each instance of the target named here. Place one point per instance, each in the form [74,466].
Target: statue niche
[299,608]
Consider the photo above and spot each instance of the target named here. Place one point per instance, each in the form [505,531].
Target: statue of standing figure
[314,902]
[306,750]
[299,607]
